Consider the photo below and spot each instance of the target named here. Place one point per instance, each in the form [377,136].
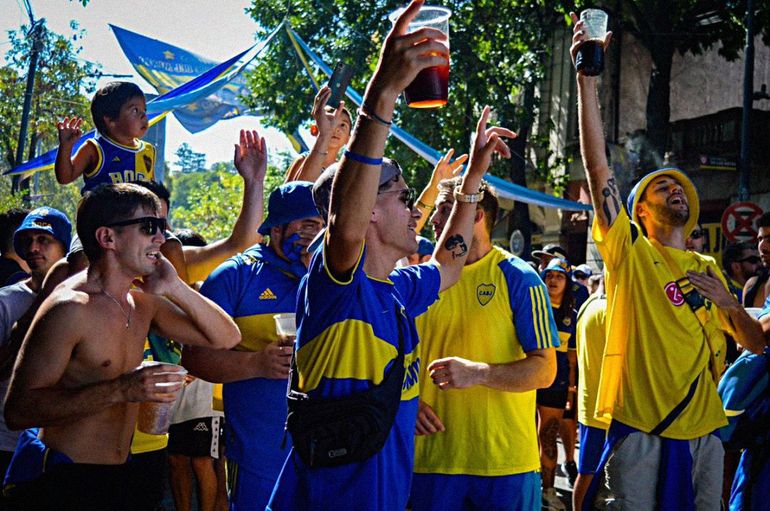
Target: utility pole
[744,165]
[35,31]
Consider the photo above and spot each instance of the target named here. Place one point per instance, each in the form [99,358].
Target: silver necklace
[127,315]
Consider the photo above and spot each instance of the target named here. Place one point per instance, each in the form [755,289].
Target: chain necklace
[127,315]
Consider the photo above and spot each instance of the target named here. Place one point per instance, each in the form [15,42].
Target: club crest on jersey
[674,294]
[484,293]
[567,321]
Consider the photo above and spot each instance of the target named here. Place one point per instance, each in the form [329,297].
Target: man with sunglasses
[77,378]
[740,261]
[487,344]
[757,288]
[696,241]
[668,313]
[355,311]
[252,287]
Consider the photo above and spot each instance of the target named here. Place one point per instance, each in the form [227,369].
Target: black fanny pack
[337,431]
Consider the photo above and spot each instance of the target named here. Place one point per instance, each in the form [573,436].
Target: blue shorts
[449,492]
[591,446]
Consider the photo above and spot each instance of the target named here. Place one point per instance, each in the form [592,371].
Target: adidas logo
[267,295]
[201,426]
[116,159]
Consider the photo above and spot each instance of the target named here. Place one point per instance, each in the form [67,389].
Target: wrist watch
[467,197]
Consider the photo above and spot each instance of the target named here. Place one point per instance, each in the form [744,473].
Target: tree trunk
[520,215]
[658,103]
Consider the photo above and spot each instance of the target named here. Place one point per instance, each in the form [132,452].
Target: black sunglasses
[408,196]
[750,259]
[698,234]
[147,224]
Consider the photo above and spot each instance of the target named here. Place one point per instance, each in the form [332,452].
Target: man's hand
[488,142]
[405,54]
[712,288]
[428,422]
[326,122]
[446,168]
[456,373]
[158,383]
[275,360]
[69,131]
[251,157]
[579,37]
[162,281]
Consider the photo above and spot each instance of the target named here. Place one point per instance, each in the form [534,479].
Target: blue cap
[557,264]
[424,246]
[290,201]
[689,190]
[45,219]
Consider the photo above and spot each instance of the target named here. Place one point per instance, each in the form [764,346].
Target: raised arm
[326,122]
[251,161]
[452,248]
[66,167]
[354,190]
[184,314]
[445,168]
[39,396]
[605,195]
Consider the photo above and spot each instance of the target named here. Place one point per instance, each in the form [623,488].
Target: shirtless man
[77,377]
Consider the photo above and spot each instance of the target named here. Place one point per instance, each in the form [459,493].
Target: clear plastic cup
[430,88]
[155,418]
[286,327]
[754,312]
[590,57]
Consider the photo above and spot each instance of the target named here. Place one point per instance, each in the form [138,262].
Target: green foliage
[189,160]
[499,49]
[209,201]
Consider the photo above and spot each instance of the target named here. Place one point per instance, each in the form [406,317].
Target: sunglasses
[697,234]
[750,259]
[147,224]
[407,195]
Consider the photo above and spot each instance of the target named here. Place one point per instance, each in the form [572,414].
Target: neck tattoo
[126,314]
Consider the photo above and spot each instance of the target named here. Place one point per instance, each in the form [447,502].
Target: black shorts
[552,398]
[196,438]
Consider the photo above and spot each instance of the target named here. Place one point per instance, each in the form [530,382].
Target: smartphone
[339,82]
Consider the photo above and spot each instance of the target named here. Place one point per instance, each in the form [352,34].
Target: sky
[215,30]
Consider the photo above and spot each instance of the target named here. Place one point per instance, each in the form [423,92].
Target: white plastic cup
[594,23]
[154,417]
[286,327]
[754,312]
[590,57]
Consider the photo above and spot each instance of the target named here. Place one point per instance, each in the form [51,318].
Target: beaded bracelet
[360,158]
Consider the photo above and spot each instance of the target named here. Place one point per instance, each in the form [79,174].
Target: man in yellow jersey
[665,344]
[493,336]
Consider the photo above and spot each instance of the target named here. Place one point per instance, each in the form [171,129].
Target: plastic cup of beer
[590,57]
[286,328]
[430,88]
[155,418]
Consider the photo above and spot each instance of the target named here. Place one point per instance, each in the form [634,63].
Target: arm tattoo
[456,245]
[610,201]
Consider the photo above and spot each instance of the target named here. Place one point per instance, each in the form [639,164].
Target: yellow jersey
[590,338]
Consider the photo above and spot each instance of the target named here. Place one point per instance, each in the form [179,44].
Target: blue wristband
[361,158]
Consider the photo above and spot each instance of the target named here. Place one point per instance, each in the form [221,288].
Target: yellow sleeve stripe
[99,160]
[540,317]
[734,413]
[346,350]
[352,271]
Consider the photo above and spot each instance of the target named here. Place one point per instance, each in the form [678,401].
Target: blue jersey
[251,287]
[566,328]
[347,339]
[117,163]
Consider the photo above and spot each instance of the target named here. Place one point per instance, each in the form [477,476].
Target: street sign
[738,221]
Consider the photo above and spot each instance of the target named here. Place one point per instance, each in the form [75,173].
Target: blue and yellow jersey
[251,287]
[590,338]
[496,313]
[656,347]
[117,163]
[565,328]
[348,338]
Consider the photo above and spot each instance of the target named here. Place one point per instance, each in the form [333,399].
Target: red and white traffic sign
[738,221]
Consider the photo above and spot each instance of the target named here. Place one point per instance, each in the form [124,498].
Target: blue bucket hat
[557,264]
[45,219]
[689,190]
[290,201]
